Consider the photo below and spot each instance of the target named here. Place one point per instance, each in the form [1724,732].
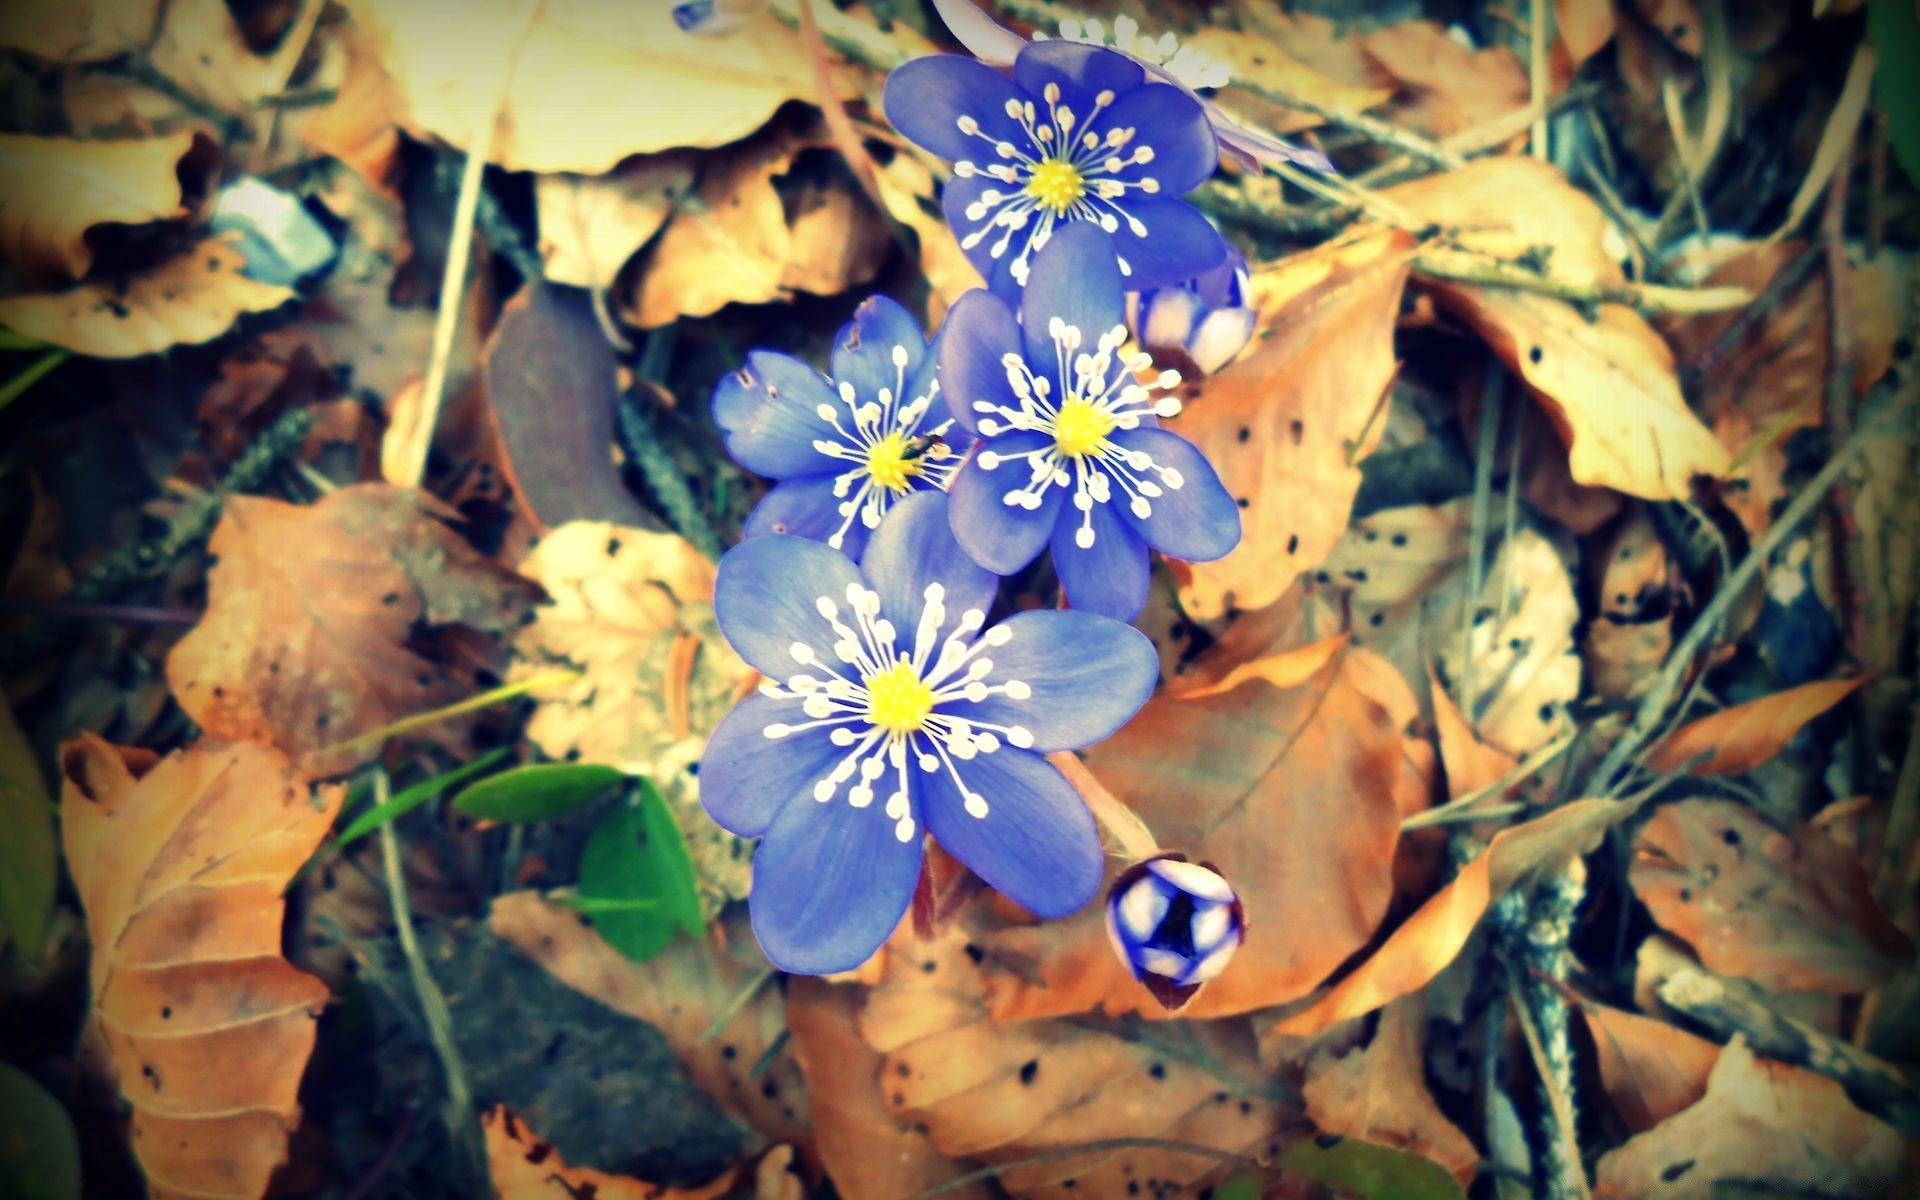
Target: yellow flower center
[1081,428]
[889,465]
[1056,185]
[898,700]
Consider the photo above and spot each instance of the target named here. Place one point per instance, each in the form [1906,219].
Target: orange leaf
[1471,764]
[1285,670]
[1380,1094]
[1744,736]
[523,1167]
[1434,935]
[180,864]
[1650,1069]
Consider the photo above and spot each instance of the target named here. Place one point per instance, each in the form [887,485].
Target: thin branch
[1487,271]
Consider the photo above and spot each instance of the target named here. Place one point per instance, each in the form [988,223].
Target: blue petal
[955,197]
[1077,279]
[805,507]
[1200,521]
[978,332]
[995,534]
[984,37]
[830,883]
[926,98]
[746,776]
[1175,126]
[1081,71]
[1037,845]
[863,352]
[768,411]
[764,597]
[924,381]
[1089,675]
[1178,244]
[1109,577]
[914,547]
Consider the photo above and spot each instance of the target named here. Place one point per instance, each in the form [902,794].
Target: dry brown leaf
[870,1152]
[523,1167]
[180,863]
[64,31]
[1214,777]
[1650,1069]
[1380,1094]
[1793,914]
[1446,88]
[357,126]
[1742,737]
[315,617]
[1006,1091]
[1760,1120]
[1584,28]
[590,225]
[1428,940]
[683,991]
[1285,424]
[1265,65]
[55,191]
[201,49]
[1471,764]
[907,187]
[632,610]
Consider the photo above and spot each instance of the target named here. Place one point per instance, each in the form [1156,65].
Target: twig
[1463,809]
[1068,1152]
[1543,951]
[1492,395]
[1539,23]
[1784,283]
[1372,128]
[1730,1007]
[1472,267]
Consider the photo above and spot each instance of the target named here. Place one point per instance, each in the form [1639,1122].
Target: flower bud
[1175,924]
[1204,321]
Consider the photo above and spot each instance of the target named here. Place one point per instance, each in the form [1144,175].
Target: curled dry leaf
[180,863]
[1213,776]
[1793,914]
[1470,763]
[55,191]
[319,620]
[1742,737]
[686,991]
[191,298]
[523,1167]
[590,225]
[1640,591]
[1286,422]
[1004,1091]
[632,611]
[1428,940]
[1650,1069]
[1760,1120]
[1380,1094]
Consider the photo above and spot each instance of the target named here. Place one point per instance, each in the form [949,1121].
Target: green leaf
[408,799]
[1239,1187]
[1894,29]
[29,852]
[9,340]
[637,852]
[31,374]
[39,1152]
[594,905]
[538,791]
[1371,1172]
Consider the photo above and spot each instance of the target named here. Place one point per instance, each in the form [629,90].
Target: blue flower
[1175,924]
[1204,323]
[1072,452]
[1077,135]
[893,709]
[844,449]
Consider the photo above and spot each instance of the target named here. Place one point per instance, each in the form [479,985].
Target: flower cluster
[912,475]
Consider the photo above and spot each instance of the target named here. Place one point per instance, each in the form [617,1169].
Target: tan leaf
[54,191]
[200,48]
[685,991]
[1428,940]
[1584,27]
[64,31]
[1742,737]
[358,125]
[1760,1120]
[1793,914]
[180,864]
[1650,1069]
[313,614]
[186,300]
[1285,423]
[1214,777]
[1380,1094]
[1446,87]
[1471,764]
[523,1167]
[1251,61]
[591,225]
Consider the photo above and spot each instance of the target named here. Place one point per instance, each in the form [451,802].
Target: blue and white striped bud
[1205,321]
[1175,924]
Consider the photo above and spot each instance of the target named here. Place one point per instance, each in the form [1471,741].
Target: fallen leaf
[317,617]
[869,1151]
[180,863]
[29,854]
[908,190]
[1286,422]
[1584,28]
[186,300]
[1742,737]
[1650,1069]
[1213,777]
[1446,87]
[1641,590]
[590,225]
[632,611]
[1380,1094]
[54,192]
[1430,939]
[1793,914]
[1760,1120]
[357,126]
[1253,62]
[1288,669]
[200,48]
[1471,764]
[522,1167]
[717,1006]
[63,31]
